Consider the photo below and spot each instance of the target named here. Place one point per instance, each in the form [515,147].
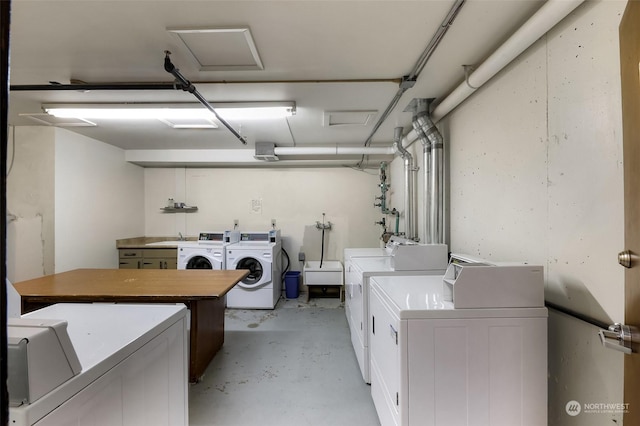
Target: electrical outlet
[235,222]
[273,223]
[301,257]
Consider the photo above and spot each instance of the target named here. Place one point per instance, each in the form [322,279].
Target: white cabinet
[129,378]
[438,366]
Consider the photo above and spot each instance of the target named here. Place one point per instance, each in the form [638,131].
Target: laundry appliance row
[465,348]
[258,252]
[400,256]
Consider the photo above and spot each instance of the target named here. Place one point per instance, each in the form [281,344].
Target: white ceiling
[324,55]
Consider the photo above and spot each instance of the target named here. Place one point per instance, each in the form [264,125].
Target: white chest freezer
[433,364]
[359,270]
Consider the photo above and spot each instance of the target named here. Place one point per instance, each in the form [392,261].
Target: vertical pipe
[419,123]
[429,134]
[409,192]
[437,191]
[426,199]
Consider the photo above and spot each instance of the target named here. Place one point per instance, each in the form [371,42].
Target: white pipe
[552,12]
[220,158]
[333,150]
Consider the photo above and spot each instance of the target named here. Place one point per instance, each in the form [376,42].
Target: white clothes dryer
[208,252]
[260,253]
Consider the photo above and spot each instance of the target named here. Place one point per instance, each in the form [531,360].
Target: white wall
[536,175]
[294,197]
[69,198]
[99,199]
[30,203]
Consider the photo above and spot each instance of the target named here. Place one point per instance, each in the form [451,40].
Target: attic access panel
[220,49]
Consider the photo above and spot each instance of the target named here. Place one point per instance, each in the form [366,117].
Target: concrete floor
[293,365]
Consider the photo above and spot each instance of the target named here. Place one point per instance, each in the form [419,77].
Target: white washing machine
[208,252]
[260,253]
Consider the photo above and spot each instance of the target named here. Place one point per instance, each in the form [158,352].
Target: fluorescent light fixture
[232,111]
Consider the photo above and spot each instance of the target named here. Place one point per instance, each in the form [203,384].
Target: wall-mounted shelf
[185,209]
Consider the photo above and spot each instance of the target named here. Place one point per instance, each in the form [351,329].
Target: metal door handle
[620,337]
[625,258]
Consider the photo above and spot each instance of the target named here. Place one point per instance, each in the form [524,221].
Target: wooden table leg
[207,334]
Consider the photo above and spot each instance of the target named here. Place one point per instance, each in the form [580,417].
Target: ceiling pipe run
[552,12]
[424,129]
[85,87]
[333,150]
[409,80]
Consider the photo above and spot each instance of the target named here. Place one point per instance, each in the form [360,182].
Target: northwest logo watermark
[573,408]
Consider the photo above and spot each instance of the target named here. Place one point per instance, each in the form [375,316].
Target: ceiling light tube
[146,111]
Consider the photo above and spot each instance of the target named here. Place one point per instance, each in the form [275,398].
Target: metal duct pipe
[437,185]
[409,187]
[434,182]
[421,109]
[333,150]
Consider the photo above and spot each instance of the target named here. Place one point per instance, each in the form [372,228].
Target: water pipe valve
[323,226]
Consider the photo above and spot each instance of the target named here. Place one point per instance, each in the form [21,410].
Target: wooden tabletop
[132,284]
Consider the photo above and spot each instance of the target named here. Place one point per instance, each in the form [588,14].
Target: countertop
[144,242]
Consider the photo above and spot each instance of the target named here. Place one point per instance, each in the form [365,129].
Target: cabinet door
[130,263]
[130,258]
[171,263]
[151,263]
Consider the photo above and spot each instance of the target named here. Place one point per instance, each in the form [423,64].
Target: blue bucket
[292,284]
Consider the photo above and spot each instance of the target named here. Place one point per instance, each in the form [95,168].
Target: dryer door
[199,262]
[259,272]
[208,258]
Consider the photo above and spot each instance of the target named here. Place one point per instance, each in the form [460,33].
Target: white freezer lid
[103,334]
[476,260]
[379,263]
[421,297]
[372,266]
[97,330]
[365,252]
